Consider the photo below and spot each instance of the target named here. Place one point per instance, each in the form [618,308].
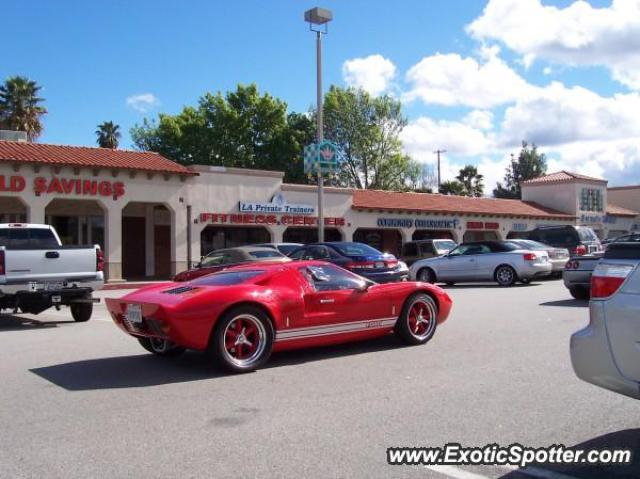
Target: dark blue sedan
[358,258]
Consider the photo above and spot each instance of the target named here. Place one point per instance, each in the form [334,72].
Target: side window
[213,260]
[330,278]
[410,249]
[298,254]
[477,249]
[318,252]
[4,237]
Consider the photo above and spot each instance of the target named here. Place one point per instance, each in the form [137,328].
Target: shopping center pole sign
[321,158]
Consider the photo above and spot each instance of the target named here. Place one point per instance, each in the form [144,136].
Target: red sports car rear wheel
[243,339]
[418,321]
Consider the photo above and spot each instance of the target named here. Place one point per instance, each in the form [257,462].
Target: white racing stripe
[328,329]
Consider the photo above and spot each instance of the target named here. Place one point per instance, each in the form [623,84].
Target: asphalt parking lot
[82,400]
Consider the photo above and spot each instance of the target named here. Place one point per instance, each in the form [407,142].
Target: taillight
[2,262]
[581,249]
[99,260]
[529,256]
[607,278]
[572,265]
[392,263]
[361,265]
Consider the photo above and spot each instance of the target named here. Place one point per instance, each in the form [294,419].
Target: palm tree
[453,187]
[108,135]
[20,106]
[471,180]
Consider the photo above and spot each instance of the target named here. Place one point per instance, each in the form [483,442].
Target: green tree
[243,129]
[452,187]
[108,135]
[20,106]
[471,180]
[367,129]
[529,164]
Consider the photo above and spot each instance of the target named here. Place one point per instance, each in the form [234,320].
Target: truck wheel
[578,292]
[81,312]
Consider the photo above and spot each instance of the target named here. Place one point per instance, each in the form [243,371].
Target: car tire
[412,326]
[578,292]
[250,330]
[161,347]
[426,275]
[81,312]
[525,280]
[505,275]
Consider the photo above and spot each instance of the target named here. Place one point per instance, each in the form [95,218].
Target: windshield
[265,254]
[444,245]
[530,244]
[587,234]
[356,249]
[226,278]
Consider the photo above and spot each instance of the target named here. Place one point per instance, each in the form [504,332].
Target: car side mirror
[198,264]
[363,287]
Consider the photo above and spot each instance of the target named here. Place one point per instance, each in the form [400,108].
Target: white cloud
[143,102]
[479,119]
[558,115]
[373,73]
[452,80]
[578,34]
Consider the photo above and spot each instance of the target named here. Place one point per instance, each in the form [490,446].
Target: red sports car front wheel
[418,321]
[243,339]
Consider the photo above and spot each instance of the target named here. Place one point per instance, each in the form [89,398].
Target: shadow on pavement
[626,439]
[149,370]
[487,285]
[572,303]
[10,322]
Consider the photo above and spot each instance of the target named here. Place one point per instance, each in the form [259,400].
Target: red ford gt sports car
[242,314]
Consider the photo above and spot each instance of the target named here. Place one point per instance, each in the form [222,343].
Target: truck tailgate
[50,265]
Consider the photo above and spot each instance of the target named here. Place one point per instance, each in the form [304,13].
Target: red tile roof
[562,177]
[616,210]
[82,156]
[435,203]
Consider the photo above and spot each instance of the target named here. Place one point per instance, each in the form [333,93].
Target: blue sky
[475,77]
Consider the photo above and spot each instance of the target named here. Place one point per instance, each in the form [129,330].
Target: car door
[459,264]
[487,259]
[336,297]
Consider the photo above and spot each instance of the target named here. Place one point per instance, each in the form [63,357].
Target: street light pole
[319,134]
[320,17]
[438,152]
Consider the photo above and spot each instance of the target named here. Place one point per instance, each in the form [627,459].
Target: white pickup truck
[37,272]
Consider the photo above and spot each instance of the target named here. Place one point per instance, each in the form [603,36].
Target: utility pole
[437,152]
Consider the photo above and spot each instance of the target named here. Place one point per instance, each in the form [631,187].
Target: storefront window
[385,240]
[216,237]
[309,235]
[431,234]
[591,199]
[480,236]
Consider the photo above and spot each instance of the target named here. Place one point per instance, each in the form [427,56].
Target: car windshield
[444,245]
[287,248]
[530,244]
[587,234]
[356,249]
[265,254]
[226,278]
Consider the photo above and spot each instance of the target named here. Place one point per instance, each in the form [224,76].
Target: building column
[113,243]
[149,238]
[35,211]
[178,237]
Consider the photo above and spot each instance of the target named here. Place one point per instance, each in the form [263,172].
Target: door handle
[52,254]
[327,300]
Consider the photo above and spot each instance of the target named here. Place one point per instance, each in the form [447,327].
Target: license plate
[134,314]
[379,264]
[53,286]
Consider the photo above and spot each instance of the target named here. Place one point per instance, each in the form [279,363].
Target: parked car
[225,258]
[557,256]
[284,248]
[421,249]
[578,270]
[359,258]
[578,240]
[37,272]
[499,261]
[606,352]
[631,238]
[242,314]
[577,274]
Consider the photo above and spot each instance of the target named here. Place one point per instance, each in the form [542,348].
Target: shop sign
[420,223]
[269,219]
[64,186]
[278,205]
[479,225]
[591,219]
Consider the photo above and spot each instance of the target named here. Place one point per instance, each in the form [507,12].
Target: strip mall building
[154,217]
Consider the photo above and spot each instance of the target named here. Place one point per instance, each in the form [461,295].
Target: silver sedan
[499,261]
[558,257]
[606,352]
